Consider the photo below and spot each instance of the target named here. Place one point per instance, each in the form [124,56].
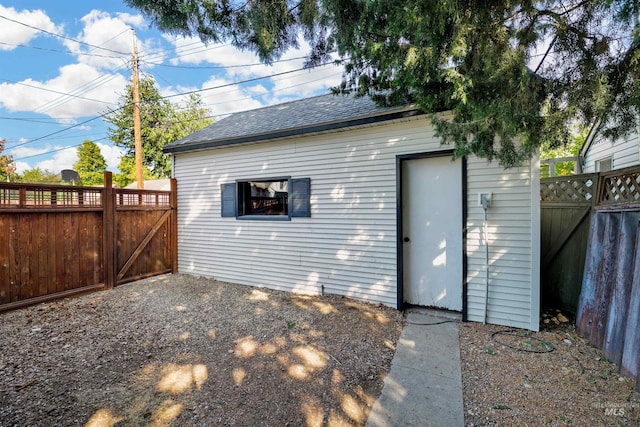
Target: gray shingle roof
[309,115]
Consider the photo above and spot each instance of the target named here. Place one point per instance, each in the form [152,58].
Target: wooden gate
[57,241]
[566,204]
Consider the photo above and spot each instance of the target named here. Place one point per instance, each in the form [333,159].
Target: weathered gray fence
[609,304]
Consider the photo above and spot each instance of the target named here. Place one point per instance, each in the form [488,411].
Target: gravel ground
[564,381]
[186,351]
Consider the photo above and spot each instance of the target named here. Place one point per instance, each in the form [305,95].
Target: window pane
[266,197]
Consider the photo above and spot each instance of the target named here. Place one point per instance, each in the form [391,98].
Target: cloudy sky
[64,63]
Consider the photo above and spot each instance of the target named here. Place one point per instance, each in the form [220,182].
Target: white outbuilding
[334,194]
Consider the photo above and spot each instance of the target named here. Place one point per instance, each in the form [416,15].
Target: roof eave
[286,133]
[593,131]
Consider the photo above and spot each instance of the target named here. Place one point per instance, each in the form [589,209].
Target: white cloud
[25,151]
[19,152]
[77,80]
[228,99]
[307,82]
[192,51]
[241,66]
[111,154]
[13,33]
[112,33]
[22,166]
[63,159]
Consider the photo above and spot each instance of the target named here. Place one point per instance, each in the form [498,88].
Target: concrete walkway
[424,386]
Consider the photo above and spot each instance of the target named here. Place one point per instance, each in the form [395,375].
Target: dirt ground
[187,351]
[549,378]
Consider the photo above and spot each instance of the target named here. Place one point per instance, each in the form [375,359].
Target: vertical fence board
[96,252]
[620,288]
[52,237]
[605,279]
[108,239]
[587,304]
[26,261]
[60,251]
[42,254]
[630,364]
[14,259]
[5,276]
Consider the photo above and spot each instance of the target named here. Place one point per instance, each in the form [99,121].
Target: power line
[61,51]
[53,91]
[213,116]
[244,81]
[56,150]
[59,131]
[181,51]
[61,36]
[165,97]
[46,120]
[220,67]
[87,87]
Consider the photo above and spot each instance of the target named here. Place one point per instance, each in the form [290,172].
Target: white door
[432,232]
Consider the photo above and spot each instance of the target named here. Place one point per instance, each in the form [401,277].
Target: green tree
[7,165]
[91,164]
[507,70]
[161,122]
[127,175]
[572,149]
[39,176]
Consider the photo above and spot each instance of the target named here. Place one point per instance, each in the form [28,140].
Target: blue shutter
[301,197]
[228,202]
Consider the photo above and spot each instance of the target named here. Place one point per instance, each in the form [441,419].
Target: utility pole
[136,114]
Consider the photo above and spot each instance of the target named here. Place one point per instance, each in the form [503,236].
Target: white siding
[349,244]
[512,226]
[624,152]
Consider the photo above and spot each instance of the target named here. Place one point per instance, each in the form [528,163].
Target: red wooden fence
[57,240]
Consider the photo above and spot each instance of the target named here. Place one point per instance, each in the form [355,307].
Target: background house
[369,205]
[601,154]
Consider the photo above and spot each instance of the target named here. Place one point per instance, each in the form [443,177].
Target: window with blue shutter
[267,199]
[228,203]
[301,197]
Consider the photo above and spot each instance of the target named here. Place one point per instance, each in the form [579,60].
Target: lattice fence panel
[620,187]
[9,197]
[34,196]
[569,189]
[142,198]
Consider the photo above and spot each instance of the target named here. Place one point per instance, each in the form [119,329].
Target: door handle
[406,239]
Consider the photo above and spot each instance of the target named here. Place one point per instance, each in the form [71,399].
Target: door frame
[399,223]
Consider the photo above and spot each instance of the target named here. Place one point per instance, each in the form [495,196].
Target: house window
[269,198]
[264,197]
[604,165]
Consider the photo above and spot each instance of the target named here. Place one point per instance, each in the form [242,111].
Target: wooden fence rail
[57,240]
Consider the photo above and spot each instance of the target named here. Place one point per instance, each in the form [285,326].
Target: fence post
[108,242]
[174,225]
